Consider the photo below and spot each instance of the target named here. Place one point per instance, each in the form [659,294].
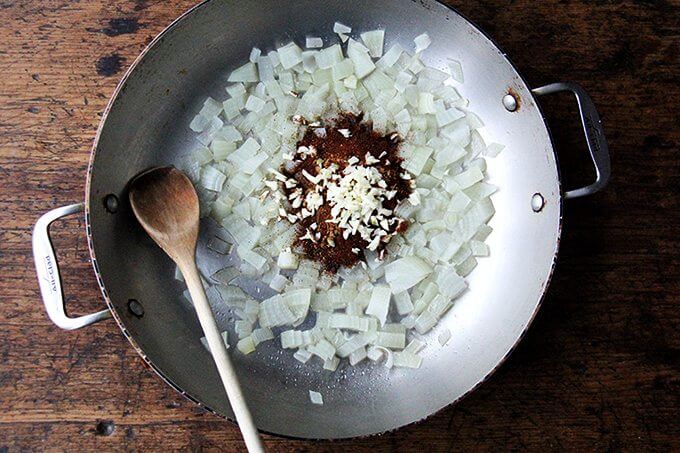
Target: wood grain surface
[598,370]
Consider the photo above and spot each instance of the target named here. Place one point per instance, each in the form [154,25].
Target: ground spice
[336,142]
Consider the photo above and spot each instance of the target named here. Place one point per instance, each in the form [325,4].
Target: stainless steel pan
[145,125]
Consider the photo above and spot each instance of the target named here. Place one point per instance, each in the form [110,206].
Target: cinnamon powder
[345,137]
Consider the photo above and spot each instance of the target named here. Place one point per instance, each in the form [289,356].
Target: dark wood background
[598,370]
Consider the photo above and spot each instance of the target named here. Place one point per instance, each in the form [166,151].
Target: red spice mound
[345,137]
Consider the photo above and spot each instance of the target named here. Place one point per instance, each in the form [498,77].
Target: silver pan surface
[146,125]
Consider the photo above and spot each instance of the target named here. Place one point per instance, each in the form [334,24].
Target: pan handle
[48,272]
[594,132]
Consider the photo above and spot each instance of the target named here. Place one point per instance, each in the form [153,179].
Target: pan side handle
[594,132]
[49,279]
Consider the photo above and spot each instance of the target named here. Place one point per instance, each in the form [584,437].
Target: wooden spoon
[166,205]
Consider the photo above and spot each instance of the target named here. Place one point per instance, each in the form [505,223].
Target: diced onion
[302,355]
[289,55]
[380,303]
[246,345]
[392,340]
[406,272]
[407,360]
[444,337]
[357,356]
[456,71]
[323,349]
[390,58]
[315,397]
[248,135]
[363,64]
[329,56]
[313,43]
[255,54]
[246,73]
[341,28]
[374,42]
[374,354]
[422,42]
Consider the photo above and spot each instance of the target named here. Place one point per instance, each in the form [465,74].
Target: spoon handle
[221,357]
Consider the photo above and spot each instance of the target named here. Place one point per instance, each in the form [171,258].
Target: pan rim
[115,96]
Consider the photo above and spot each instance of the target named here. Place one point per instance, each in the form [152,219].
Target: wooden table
[598,370]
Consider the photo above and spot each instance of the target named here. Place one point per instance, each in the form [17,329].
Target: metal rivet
[537,202]
[111,203]
[135,308]
[105,428]
[509,102]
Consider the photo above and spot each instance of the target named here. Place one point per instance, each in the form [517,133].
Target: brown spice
[331,249]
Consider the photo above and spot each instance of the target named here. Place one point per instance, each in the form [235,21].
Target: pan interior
[148,126]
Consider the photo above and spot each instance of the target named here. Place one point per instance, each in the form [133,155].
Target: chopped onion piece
[329,56]
[278,283]
[482,233]
[275,312]
[342,321]
[407,360]
[357,341]
[374,42]
[331,364]
[422,42]
[244,152]
[448,116]
[425,322]
[380,303]
[302,355]
[392,340]
[363,65]
[414,346]
[342,69]
[466,266]
[357,356]
[261,334]
[250,257]
[406,272]
[212,179]
[313,43]
[199,123]
[291,339]
[444,337]
[403,303]
[450,283]
[254,104]
[390,58]
[341,28]
[211,108]
[426,103]
[439,305]
[374,354]
[243,328]
[287,260]
[468,178]
[289,55]
[246,73]
[315,397]
[246,345]
[323,349]
[456,70]
[255,54]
